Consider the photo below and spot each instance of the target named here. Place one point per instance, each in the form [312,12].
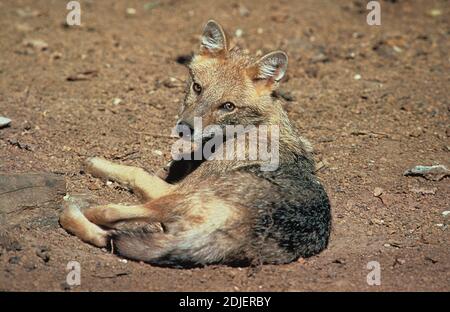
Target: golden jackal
[229,211]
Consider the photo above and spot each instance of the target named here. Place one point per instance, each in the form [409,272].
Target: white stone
[117,101]
[131,11]
[4,121]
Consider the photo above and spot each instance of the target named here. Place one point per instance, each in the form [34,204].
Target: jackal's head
[227,87]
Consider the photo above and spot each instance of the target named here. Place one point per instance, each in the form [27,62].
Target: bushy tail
[150,244]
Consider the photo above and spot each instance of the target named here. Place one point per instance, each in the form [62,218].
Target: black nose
[184,128]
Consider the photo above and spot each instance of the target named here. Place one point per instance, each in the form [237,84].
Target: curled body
[242,217]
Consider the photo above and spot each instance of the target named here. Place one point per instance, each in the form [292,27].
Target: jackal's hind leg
[148,185]
[84,221]
[109,215]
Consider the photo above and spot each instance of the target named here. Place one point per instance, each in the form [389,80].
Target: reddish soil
[366,132]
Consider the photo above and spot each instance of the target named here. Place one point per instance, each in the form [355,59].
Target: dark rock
[14,260]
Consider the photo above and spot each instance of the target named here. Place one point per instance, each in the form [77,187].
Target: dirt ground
[374,101]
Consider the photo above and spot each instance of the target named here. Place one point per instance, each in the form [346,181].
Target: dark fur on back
[296,214]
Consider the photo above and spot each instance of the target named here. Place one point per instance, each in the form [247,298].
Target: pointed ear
[271,67]
[214,40]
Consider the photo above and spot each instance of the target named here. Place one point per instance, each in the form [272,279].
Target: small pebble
[4,122]
[357,77]
[259,31]
[351,55]
[117,101]
[123,260]
[397,49]
[320,58]
[446,213]
[377,192]
[158,152]
[243,11]
[435,12]
[173,82]
[378,221]
[131,11]
[239,33]
[36,43]
[416,132]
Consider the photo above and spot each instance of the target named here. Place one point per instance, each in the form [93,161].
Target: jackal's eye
[228,106]
[197,88]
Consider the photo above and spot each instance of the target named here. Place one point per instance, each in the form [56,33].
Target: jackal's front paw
[95,166]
